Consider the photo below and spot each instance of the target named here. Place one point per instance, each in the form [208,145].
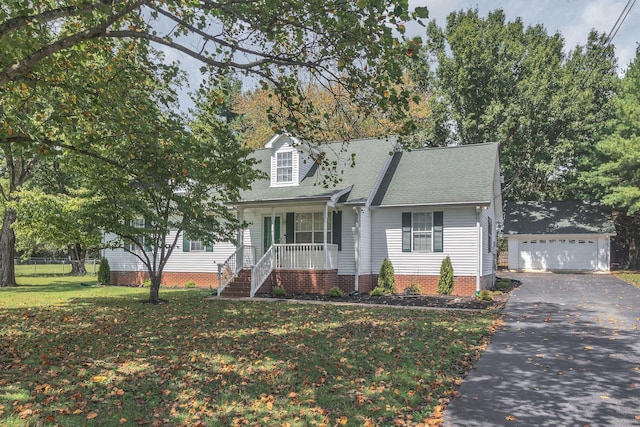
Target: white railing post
[220,278]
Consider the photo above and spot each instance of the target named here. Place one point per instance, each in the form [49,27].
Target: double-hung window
[422,232]
[310,226]
[284,167]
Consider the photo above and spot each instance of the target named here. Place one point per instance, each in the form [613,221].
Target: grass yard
[50,269]
[77,355]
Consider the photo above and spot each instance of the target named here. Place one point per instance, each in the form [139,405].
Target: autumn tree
[501,81]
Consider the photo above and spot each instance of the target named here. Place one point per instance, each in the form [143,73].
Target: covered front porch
[284,244]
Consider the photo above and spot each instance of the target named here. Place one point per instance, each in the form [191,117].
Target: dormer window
[284,167]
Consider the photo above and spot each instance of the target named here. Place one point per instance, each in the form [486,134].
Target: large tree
[48,45]
[501,81]
[175,183]
[614,176]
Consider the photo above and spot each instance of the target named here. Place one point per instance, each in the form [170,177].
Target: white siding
[284,145]
[180,261]
[459,236]
[365,243]
[488,256]
[346,256]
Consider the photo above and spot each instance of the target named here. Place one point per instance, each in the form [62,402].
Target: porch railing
[306,256]
[244,256]
[299,256]
[262,269]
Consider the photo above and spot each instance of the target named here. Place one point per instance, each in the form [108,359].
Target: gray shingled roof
[565,217]
[370,157]
[430,176]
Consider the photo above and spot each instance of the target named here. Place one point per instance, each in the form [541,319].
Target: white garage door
[559,254]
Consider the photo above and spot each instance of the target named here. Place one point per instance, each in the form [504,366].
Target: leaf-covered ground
[110,360]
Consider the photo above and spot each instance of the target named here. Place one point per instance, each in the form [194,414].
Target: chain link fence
[45,266]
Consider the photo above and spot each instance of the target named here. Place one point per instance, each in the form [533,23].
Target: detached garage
[558,236]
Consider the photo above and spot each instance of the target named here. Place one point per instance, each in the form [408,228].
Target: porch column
[324,244]
[273,226]
[240,239]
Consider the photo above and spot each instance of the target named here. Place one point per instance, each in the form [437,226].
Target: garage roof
[566,217]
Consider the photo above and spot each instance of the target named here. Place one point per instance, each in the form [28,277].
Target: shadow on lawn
[223,360]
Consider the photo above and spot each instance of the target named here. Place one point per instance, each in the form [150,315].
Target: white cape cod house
[413,207]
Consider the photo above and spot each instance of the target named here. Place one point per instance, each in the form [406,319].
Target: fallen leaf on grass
[92,415]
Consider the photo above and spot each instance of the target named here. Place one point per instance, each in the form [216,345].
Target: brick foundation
[428,285]
[347,283]
[170,279]
[299,282]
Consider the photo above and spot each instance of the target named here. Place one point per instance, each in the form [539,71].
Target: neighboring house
[413,207]
[558,236]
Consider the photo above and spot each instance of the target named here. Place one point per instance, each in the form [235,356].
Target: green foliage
[386,276]
[485,295]
[617,178]
[445,281]
[379,291]
[336,292]
[104,272]
[503,284]
[412,289]
[278,292]
[502,81]
[190,284]
[146,283]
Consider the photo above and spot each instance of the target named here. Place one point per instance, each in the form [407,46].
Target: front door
[266,232]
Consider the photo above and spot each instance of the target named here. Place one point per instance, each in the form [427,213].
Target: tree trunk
[7,249]
[77,256]
[626,245]
[154,291]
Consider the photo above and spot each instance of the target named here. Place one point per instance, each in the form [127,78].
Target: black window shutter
[290,230]
[337,229]
[438,231]
[406,231]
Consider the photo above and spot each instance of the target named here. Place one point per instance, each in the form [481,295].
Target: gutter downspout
[479,230]
[356,242]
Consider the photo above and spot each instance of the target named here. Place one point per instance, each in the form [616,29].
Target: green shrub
[104,272]
[190,284]
[503,284]
[378,291]
[336,292]
[412,289]
[278,292]
[445,282]
[386,276]
[146,283]
[485,295]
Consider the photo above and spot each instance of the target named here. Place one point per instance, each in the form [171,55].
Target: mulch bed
[438,301]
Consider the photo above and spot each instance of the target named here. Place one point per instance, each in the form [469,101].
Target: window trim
[313,231]
[436,232]
[286,168]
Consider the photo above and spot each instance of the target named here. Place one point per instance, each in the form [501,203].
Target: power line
[621,18]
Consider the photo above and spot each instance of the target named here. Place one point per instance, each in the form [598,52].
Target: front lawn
[101,357]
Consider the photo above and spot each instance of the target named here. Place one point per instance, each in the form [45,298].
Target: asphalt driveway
[568,355]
